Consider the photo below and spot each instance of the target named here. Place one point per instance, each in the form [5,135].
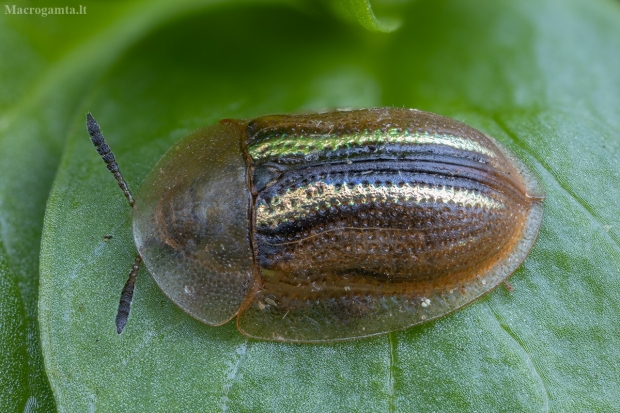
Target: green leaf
[539,75]
[362,12]
[32,128]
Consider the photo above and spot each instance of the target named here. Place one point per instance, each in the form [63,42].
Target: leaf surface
[540,76]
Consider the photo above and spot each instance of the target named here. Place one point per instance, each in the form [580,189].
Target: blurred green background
[541,76]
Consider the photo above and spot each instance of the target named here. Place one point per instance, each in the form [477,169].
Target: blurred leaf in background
[361,11]
[539,75]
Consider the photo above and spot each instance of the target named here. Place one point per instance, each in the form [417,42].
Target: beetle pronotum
[330,226]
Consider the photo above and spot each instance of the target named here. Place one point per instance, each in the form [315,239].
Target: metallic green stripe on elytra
[296,203]
[309,145]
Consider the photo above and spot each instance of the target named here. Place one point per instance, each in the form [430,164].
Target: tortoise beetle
[330,226]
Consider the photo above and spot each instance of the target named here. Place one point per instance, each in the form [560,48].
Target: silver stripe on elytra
[297,203]
[300,145]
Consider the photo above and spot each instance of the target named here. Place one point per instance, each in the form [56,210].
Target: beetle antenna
[106,154]
[124,306]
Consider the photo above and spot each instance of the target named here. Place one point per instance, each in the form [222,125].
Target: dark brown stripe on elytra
[386,253]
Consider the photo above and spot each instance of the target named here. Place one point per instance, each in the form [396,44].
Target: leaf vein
[528,359]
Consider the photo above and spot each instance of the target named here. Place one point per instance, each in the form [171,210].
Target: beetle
[330,226]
